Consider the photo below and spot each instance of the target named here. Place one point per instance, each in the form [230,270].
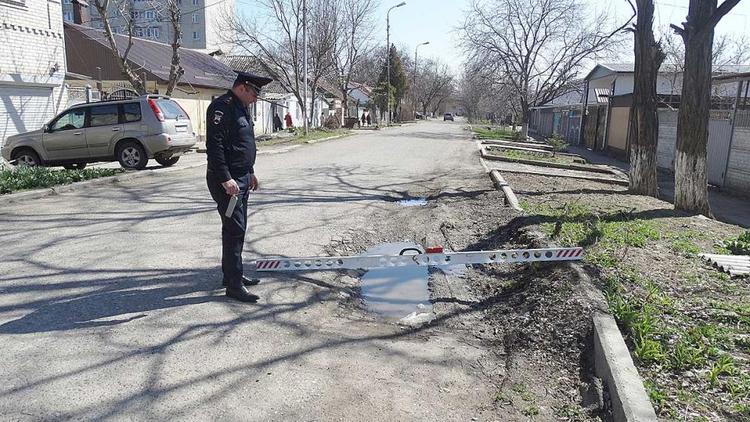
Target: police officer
[230,145]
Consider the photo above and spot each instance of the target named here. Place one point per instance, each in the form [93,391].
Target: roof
[733,77]
[250,64]
[665,68]
[362,87]
[200,69]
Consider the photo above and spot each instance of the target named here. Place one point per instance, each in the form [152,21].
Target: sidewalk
[725,207]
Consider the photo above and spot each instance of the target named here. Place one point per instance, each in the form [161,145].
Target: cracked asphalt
[110,306]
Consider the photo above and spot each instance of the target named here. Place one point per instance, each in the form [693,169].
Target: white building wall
[32,64]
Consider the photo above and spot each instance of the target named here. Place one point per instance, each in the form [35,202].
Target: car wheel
[166,162]
[131,155]
[75,166]
[26,157]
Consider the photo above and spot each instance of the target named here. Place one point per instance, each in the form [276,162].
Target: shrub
[739,246]
[25,177]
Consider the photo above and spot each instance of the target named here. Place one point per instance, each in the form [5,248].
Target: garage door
[23,109]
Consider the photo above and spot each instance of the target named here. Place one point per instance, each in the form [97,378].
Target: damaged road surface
[111,306]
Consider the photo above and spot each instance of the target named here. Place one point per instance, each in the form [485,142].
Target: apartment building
[201,20]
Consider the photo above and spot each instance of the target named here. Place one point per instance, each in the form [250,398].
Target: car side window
[73,119]
[131,112]
[103,115]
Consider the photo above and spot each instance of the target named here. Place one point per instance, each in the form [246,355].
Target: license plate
[180,128]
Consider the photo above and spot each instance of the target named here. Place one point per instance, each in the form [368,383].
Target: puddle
[396,292]
[414,202]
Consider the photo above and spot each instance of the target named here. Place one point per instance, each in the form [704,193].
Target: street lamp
[388,59]
[414,85]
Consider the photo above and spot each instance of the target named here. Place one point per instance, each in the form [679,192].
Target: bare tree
[697,32]
[123,11]
[644,120]
[482,98]
[537,46]
[434,84]
[353,43]
[274,39]
[728,50]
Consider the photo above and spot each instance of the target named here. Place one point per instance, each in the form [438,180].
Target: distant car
[448,116]
[129,131]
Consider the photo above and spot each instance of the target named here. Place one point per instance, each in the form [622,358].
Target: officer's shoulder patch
[218,115]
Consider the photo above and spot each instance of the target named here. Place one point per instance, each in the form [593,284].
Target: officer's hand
[231,187]
[254,184]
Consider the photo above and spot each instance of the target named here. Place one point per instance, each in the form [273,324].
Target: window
[68,16]
[171,109]
[73,119]
[195,18]
[153,33]
[103,115]
[150,14]
[67,1]
[138,32]
[196,35]
[131,112]
[195,2]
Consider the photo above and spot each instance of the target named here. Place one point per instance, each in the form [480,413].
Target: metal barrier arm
[424,259]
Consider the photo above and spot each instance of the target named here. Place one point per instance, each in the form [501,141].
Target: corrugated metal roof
[155,57]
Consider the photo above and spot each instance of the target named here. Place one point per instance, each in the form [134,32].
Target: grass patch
[532,410]
[24,177]
[299,137]
[497,133]
[524,155]
[577,224]
[740,245]
[686,324]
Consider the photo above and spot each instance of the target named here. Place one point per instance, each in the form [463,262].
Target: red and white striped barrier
[432,258]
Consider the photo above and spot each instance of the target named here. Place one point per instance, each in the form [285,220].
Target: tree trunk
[691,176]
[644,118]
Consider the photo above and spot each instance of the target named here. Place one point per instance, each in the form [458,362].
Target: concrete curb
[615,366]
[76,186]
[510,197]
[591,169]
[544,152]
[613,180]
[500,142]
[612,361]
[330,138]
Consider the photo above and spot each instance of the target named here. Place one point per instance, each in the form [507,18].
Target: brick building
[32,64]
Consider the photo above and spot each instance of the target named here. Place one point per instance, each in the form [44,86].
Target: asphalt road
[110,306]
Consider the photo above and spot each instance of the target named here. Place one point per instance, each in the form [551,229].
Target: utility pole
[414,84]
[304,43]
[388,59]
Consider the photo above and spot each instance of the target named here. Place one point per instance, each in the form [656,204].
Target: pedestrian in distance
[288,120]
[277,126]
[364,120]
[369,121]
[230,176]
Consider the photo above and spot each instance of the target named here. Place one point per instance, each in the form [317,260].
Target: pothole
[413,202]
[400,291]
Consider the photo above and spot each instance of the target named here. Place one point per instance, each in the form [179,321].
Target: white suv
[129,131]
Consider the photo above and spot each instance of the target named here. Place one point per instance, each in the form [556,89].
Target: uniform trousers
[232,228]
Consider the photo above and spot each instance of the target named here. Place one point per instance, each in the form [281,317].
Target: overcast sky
[435,21]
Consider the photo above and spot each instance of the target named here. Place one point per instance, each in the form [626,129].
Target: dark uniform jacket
[230,138]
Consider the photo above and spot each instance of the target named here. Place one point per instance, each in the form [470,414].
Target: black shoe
[247,282]
[240,293]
